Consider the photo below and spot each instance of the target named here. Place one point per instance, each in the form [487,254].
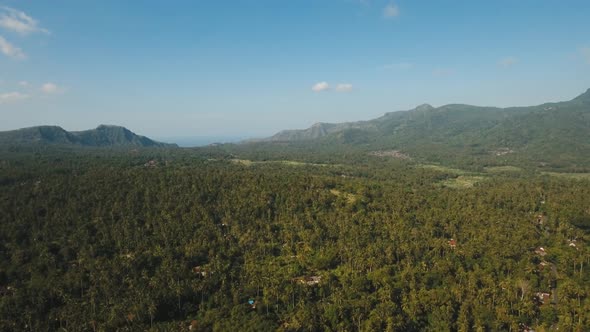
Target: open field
[247,162]
[462,181]
[503,169]
[574,176]
[350,198]
[444,169]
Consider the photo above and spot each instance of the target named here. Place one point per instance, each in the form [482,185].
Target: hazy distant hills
[102,136]
[555,133]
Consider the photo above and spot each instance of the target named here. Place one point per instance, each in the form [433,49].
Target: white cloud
[23,83]
[10,50]
[344,87]
[320,86]
[12,97]
[390,11]
[18,21]
[398,66]
[508,61]
[51,88]
[585,51]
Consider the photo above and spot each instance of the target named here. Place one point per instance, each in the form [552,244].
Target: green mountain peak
[103,135]
[424,107]
[584,96]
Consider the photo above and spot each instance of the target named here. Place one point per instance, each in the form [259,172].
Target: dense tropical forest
[135,239]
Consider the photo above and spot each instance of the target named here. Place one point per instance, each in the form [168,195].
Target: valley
[104,239]
[294,166]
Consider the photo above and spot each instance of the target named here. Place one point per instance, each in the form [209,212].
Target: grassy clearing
[350,198]
[445,169]
[503,169]
[243,162]
[247,162]
[573,176]
[298,163]
[462,182]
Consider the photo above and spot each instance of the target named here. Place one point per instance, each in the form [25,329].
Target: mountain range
[102,136]
[556,133]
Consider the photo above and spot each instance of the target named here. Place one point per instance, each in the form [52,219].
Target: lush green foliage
[97,240]
[103,135]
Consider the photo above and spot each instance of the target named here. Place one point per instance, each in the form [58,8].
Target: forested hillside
[555,135]
[167,240]
[101,136]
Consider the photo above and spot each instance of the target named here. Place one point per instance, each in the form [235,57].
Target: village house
[542,297]
[502,151]
[198,270]
[542,265]
[252,303]
[390,153]
[6,290]
[452,243]
[540,251]
[309,281]
[525,328]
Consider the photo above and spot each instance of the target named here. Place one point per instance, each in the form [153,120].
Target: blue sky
[250,68]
